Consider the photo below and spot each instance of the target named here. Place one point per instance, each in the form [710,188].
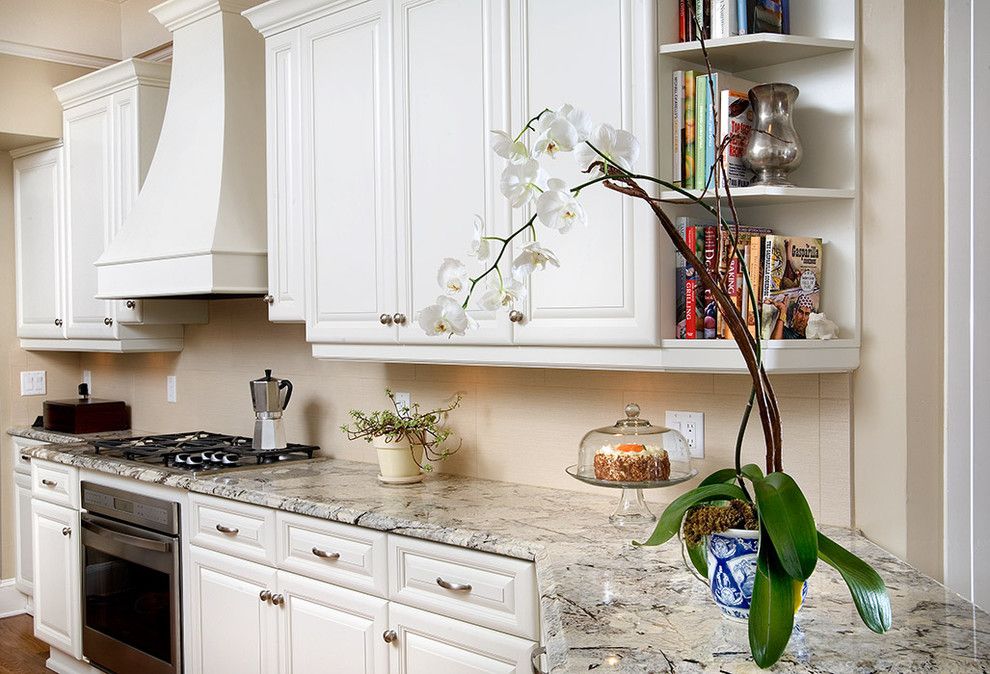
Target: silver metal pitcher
[774,148]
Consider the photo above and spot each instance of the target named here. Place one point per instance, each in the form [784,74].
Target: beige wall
[139,30]
[898,388]
[28,106]
[520,425]
[90,27]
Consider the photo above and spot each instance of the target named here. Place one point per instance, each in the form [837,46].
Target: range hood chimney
[198,226]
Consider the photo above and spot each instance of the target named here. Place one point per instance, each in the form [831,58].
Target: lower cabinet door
[57,599]
[425,643]
[325,628]
[233,626]
[23,566]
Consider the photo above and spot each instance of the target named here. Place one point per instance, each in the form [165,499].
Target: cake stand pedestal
[631,509]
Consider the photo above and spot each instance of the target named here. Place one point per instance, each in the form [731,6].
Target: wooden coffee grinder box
[86,415]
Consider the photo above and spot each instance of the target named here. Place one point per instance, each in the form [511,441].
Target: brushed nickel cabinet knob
[385,319]
[268,299]
[58,322]
[400,319]
[265,595]
[66,531]
[516,316]
[278,599]
[108,321]
[389,636]
[130,304]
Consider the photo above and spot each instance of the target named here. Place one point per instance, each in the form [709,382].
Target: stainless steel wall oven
[130,582]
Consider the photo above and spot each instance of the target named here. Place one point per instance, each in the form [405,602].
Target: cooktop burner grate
[199,450]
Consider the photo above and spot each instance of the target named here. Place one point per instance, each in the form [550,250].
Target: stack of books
[724,18]
[700,129]
[786,273]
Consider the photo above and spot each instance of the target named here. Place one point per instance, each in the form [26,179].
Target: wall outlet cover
[170,392]
[692,426]
[403,400]
[33,383]
[87,379]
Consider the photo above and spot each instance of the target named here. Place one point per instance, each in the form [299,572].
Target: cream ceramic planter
[396,462]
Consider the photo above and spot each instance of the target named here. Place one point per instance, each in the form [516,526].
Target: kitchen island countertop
[607,605]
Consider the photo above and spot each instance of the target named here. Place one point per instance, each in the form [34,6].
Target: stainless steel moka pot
[269,401]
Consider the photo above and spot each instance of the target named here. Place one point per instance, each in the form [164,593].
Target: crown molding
[276,16]
[174,14]
[19,152]
[54,55]
[105,81]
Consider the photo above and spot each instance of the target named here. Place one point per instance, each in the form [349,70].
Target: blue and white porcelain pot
[732,571]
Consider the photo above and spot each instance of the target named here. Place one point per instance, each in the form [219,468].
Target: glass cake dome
[633,454]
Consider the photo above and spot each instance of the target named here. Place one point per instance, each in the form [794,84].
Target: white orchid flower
[521,182]
[452,276]
[532,257]
[619,146]
[508,148]
[446,317]
[500,296]
[479,244]
[558,209]
[562,131]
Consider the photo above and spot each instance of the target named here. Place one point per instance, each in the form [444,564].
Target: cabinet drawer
[239,529]
[55,483]
[341,554]
[477,587]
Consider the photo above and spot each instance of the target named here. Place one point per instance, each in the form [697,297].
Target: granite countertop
[607,606]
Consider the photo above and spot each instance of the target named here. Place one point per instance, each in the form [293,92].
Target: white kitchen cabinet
[451,88]
[23,565]
[348,180]
[57,598]
[426,643]
[70,211]
[286,262]
[328,628]
[232,629]
[38,205]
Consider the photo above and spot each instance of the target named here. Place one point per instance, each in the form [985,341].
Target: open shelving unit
[821,58]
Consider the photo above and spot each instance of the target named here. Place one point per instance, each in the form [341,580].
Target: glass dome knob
[632,410]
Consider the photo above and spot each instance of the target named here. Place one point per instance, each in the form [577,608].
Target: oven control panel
[145,511]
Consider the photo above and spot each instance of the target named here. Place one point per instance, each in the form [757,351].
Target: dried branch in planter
[713,519]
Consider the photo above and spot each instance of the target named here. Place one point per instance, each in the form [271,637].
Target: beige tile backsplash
[516,424]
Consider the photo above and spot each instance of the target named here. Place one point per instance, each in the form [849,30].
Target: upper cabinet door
[89,211]
[285,224]
[38,211]
[347,183]
[606,290]
[451,89]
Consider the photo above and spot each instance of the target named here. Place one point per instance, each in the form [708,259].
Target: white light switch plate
[33,383]
[170,393]
[692,427]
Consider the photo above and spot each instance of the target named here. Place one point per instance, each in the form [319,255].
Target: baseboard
[12,602]
[63,663]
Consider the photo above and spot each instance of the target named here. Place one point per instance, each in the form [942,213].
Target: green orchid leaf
[771,610]
[670,521]
[753,472]
[699,556]
[787,519]
[865,584]
[719,477]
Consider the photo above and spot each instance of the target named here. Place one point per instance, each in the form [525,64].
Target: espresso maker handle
[285,383]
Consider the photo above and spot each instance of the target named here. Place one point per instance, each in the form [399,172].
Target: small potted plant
[407,439]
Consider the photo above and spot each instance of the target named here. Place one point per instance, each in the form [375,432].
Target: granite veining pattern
[607,605]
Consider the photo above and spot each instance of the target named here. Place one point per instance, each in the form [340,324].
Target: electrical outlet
[170,395]
[33,383]
[87,379]
[692,426]
[403,401]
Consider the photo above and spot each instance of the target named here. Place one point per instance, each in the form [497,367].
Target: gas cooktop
[199,451]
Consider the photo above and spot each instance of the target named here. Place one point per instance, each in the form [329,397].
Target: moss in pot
[408,440]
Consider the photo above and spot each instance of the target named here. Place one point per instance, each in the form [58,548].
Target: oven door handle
[126,539]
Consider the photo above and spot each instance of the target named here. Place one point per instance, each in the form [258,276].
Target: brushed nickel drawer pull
[323,554]
[49,483]
[453,587]
[228,530]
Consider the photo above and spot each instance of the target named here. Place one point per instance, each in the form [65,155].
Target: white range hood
[198,227]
